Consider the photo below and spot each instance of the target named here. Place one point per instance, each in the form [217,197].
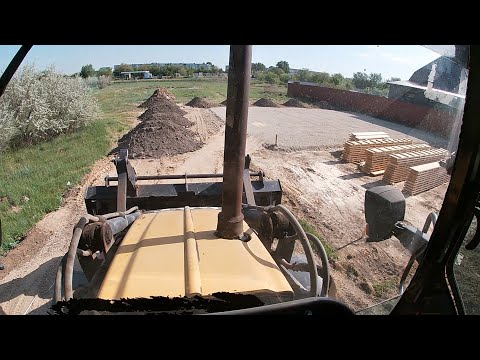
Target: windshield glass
[327,125]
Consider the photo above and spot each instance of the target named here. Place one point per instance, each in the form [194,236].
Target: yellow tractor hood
[175,252]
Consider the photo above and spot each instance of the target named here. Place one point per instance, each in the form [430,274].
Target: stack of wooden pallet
[376,159]
[368,135]
[425,177]
[399,164]
[354,151]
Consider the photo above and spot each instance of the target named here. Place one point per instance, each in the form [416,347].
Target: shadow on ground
[30,286]
[352,176]
[375,183]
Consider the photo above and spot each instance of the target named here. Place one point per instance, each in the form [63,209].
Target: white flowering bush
[91,81]
[98,82]
[104,81]
[7,129]
[38,106]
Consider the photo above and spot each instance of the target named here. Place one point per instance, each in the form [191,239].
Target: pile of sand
[160,93]
[161,105]
[295,103]
[265,103]
[200,103]
[163,131]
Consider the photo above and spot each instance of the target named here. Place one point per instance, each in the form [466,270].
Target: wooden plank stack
[368,135]
[425,177]
[354,151]
[376,159]
[399,164]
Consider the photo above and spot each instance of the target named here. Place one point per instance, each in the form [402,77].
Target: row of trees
[168,70]
[280,73]
[89,71]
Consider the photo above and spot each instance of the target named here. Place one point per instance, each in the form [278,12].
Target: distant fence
[414,115]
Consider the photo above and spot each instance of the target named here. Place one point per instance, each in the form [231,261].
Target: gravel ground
[326,128]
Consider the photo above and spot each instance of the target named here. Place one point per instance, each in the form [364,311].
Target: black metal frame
[13,66]
[128,193]
[103,199]
[430,291]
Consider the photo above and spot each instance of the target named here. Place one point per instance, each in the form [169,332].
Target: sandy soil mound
[161,135]
[158,94]
[156,113]
[161,132]
[161,105]
[265,103]
[200,103]
[295,103]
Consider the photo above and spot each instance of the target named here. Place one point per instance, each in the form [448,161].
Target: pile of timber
[376,159]
[425,177]
[399,164]
[354,151]
[368,135]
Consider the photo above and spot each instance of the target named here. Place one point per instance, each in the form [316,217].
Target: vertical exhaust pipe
[230,219]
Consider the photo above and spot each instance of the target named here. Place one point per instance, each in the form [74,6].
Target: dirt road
[317,185]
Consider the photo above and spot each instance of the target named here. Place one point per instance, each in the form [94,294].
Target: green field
[33,180]
[186,90]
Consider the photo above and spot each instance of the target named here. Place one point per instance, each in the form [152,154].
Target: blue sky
[389,60]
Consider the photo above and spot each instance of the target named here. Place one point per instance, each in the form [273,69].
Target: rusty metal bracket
[127,179]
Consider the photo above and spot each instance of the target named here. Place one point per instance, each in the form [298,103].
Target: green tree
[105,71]
[121,68]
[276,70]
[258,67]
[284,66]
[261,75]
[272,78]
[361,80]
[284,78]
[375,79]
[303,75]
[320,78]
[155,70]
[348,84]
[183,71]
[337,79]
[87,71]
[144,67]
[394,79]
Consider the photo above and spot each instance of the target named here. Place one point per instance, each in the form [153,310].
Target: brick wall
[413,115]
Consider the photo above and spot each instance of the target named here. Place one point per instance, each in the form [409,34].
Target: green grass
[186,89]
[383,288]
[33,180]
[332,253]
